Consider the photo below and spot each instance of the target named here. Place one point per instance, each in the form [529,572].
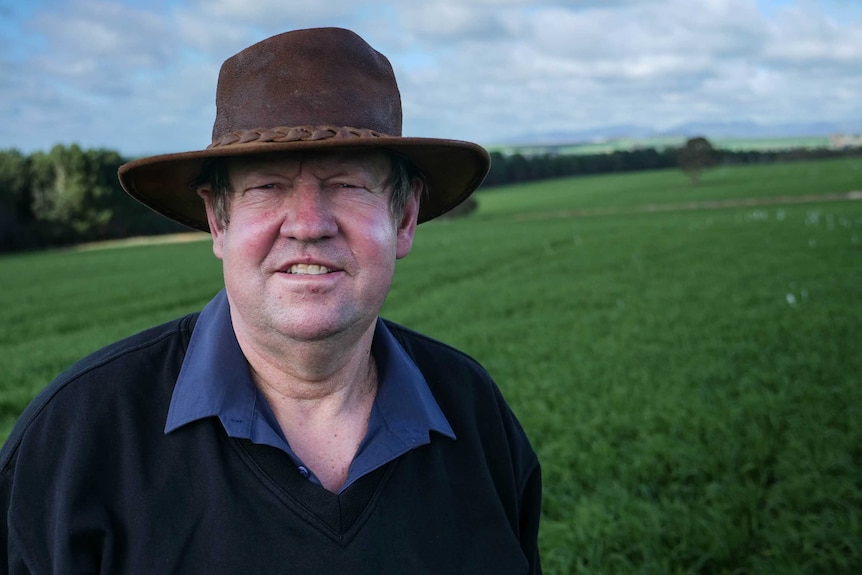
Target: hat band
[293,134]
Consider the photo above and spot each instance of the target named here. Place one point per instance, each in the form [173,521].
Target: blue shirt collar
[214,381]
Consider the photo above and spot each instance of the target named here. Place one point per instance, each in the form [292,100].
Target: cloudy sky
[138,76]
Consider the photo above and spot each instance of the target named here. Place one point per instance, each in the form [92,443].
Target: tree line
[66,196]
[70,195]
[516,168]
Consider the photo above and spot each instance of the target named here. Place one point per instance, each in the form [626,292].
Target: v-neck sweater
[89,481]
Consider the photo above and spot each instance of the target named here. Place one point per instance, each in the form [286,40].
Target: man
[286,428]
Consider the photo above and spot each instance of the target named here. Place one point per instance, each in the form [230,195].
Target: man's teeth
[308,269]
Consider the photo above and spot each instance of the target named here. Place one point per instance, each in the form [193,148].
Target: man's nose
[308,215]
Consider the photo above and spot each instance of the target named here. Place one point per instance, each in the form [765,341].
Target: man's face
[310,248]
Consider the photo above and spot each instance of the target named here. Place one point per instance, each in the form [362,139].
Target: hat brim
[453,169]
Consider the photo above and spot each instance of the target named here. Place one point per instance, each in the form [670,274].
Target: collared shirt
[214,381]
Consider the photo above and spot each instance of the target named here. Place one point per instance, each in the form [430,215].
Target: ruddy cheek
[261,225]
[379,237]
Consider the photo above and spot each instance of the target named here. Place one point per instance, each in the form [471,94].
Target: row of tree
[695,155]
[71,195]
[515,168]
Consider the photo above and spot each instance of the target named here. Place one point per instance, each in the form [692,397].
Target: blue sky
[138,76]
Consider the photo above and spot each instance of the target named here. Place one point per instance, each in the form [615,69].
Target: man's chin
[316,327]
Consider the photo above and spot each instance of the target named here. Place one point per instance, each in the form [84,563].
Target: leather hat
[316,89]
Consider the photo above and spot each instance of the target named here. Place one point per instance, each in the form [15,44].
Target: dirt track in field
[693,206]
[181,237]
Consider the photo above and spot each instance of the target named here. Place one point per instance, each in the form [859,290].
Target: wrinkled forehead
[376,163]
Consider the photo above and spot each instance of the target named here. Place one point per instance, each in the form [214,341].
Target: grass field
[690,378]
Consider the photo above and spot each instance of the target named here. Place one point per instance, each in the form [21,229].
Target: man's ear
[216,229]
[407,224]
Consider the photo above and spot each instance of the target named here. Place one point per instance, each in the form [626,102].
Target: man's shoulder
[132,351]
[470,399]
[451,374]
[100,377]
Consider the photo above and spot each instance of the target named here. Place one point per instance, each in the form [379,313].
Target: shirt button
[303,471]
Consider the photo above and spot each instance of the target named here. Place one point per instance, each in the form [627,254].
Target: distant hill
[735,130]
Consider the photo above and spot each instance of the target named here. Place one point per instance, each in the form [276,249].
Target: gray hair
[215,175]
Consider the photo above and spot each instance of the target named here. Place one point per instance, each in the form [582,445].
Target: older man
[285,428]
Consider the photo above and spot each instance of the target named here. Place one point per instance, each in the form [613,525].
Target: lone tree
[695,156]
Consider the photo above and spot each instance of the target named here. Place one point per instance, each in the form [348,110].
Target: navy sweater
[90,483]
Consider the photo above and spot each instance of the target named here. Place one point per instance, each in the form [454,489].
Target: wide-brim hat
[318,89]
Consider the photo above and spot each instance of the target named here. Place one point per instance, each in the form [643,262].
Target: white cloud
[95,43]
[656,64]
[141,77]
[799,38]
[260,12]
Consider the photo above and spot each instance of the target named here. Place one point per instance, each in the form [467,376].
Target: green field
[690,378]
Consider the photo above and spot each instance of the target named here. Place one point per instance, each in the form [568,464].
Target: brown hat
[317,89]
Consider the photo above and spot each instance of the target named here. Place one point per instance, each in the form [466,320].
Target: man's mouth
[308,269]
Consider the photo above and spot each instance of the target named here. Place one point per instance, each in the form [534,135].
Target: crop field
[686,361]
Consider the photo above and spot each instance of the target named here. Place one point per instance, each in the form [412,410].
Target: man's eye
[260,189]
